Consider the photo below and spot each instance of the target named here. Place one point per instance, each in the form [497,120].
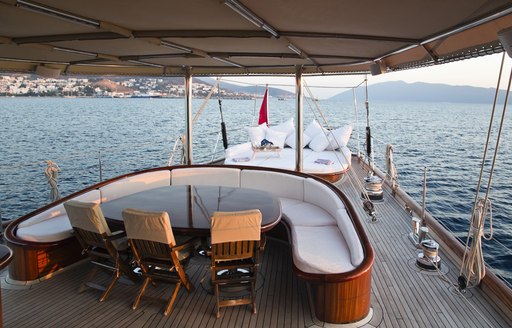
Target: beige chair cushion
[235,226]
[146,225]
[86,216]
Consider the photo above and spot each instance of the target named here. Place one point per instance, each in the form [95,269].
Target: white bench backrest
[131,185]
[92,196]
[322,196]
[349,233]
[280,184]
[207,176]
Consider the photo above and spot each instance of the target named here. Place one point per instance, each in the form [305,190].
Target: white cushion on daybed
[320,250]
[286,159]
[322,196]
[92,196]
[135,184]
[281,185]
[306,214]
[351,237]
[240,150]
[58,228]
[210,176]
[319,143]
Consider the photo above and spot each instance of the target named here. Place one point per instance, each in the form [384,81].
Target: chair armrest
[116,235]
[263,242]
[190,242]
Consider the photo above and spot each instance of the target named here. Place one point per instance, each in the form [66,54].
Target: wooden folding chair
[107,250]
[235,239]
[156,252]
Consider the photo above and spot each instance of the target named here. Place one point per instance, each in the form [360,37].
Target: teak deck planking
[402,295]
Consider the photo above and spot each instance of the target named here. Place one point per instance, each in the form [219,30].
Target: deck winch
[429,259]
[373,187]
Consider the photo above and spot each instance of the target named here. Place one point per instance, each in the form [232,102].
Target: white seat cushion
[135,184]
[306,214]
[286,159]
[320,250]
[280,184]
[56,229]
[207,176]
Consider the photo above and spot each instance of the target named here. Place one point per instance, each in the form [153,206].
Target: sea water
[100,138]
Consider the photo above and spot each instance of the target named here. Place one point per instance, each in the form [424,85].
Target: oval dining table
[190,207]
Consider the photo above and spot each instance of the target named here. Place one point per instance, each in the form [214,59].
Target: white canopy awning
[161,37]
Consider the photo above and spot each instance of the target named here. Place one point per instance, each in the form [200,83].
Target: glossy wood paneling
[33,261]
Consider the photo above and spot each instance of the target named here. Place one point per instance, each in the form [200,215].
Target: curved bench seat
[320,250]
[329,247]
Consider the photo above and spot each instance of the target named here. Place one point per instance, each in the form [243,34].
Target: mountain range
[423,92]
[260,90]
[391,91]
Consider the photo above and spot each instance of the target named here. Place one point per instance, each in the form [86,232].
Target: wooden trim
[32,261]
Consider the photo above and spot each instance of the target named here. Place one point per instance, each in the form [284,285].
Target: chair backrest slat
[151,249]
[234,250]
[89,238]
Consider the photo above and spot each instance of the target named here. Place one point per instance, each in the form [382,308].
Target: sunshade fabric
[236,226]
[125,37]
[145,225]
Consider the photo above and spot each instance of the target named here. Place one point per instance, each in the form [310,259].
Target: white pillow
[333,144]
[339,138]
[287,127]
[276,137]
[239,149]
[313,129]
[256,134]
[291,140]
[319,143]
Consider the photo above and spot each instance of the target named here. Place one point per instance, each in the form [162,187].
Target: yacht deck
[402,294]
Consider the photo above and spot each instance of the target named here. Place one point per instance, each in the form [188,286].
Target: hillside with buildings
[25,85]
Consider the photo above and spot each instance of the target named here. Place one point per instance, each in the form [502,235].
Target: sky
[477,72]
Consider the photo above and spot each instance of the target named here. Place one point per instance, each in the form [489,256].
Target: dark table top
[191,206]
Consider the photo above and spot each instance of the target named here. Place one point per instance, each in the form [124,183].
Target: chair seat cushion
[51,230]
[306,214]
[320,250]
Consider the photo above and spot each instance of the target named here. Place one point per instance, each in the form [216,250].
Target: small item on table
[324,161]
[241,159]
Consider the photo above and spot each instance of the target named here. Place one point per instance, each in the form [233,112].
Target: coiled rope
[391,170]
[52,173]
[472,268]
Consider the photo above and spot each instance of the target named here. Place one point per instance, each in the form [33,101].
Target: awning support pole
[188,119]
[300,119]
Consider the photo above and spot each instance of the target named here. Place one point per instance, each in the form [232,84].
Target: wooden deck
[402,294]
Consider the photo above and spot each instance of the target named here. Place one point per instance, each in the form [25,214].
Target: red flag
[263,110]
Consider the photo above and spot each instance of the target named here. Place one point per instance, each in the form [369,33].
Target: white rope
[391,171]
[52,173]
[480,206]
[474,265]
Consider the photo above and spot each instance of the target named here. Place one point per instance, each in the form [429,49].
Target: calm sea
[134,134]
